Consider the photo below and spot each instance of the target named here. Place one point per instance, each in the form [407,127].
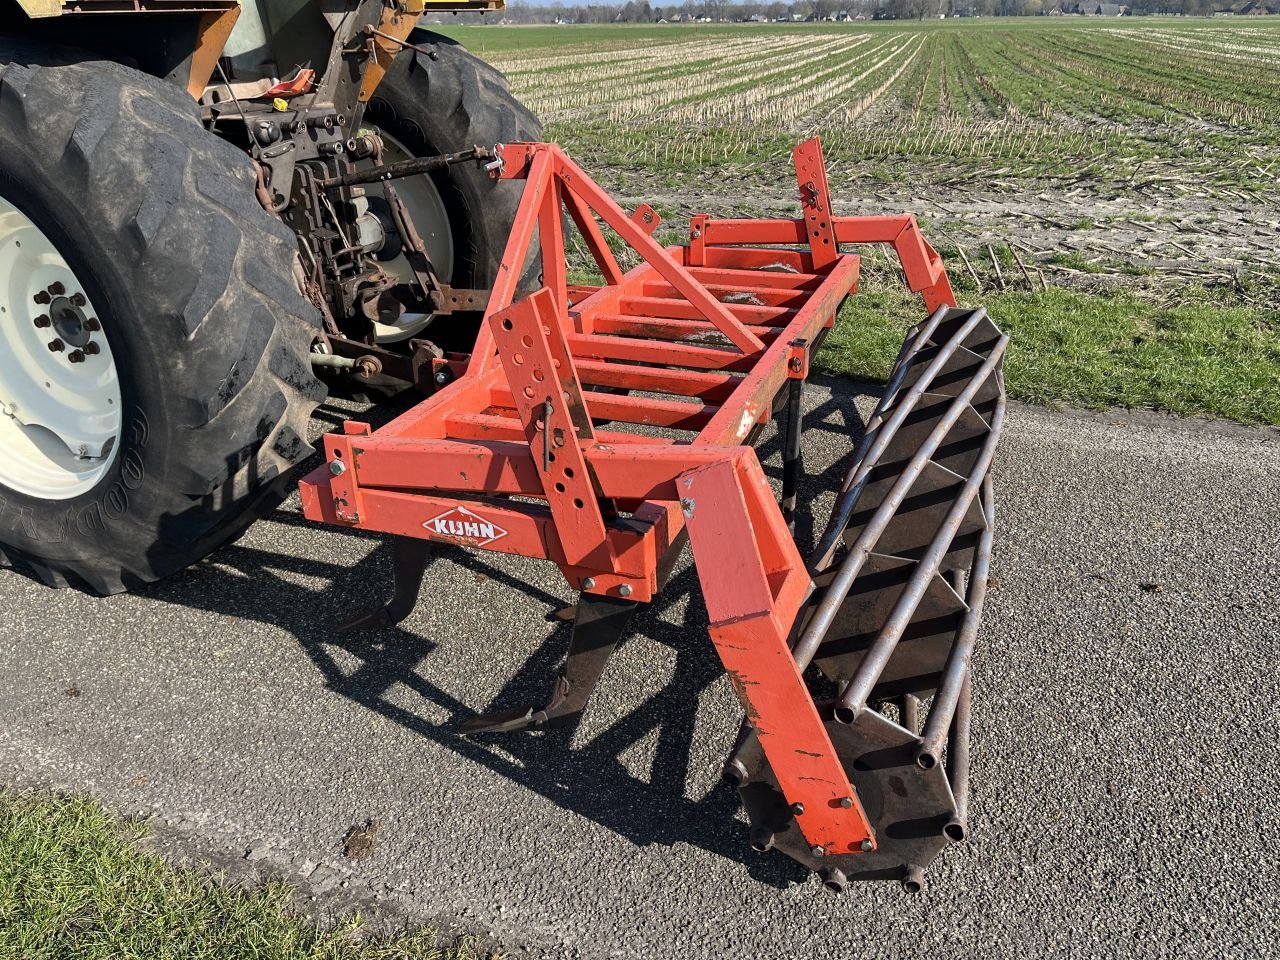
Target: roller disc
[914,575]
[910,809]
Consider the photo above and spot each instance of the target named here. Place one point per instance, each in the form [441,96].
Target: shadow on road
[588,778]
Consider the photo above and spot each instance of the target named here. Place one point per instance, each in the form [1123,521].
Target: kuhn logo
[465,527]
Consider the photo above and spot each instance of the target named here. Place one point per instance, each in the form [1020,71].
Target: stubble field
[1109,186]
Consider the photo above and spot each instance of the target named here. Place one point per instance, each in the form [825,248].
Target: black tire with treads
[445,105]
[195,285]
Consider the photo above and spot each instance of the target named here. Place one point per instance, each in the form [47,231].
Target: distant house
[1093,8]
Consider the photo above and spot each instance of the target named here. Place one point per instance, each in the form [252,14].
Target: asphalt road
[1125,755]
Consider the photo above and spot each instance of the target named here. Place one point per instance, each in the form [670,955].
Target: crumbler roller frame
[705,341]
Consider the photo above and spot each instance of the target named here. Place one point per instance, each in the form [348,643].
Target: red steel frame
[716,327]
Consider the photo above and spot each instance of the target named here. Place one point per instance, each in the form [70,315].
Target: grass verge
[1068,348]
[75,883]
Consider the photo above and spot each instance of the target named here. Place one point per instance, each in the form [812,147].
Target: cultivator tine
[597,627]
[409,557]
[599,623]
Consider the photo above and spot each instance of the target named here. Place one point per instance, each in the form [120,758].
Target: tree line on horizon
[721,11]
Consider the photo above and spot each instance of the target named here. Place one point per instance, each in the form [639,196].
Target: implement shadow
[589,777]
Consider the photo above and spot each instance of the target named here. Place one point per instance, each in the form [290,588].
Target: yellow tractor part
[218,17]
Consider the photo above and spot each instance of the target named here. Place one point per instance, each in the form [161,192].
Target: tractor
[180,277]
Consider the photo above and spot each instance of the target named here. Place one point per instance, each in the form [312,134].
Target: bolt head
[43,297]
[797,809]
[337,467]
[42,321]
[91,323]
[589,583]
[57,289]
[56,345]
[78,300]
[818,851]
[442,377]
[76,356]
[867,846]
[624,590]
[90,347]
[846,802]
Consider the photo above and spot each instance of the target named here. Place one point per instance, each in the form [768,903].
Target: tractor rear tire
[444,105]
[195,336]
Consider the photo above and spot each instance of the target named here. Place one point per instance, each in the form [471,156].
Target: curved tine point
[504,721]
[371,620]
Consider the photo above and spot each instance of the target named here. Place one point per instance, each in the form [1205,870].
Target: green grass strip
[75,883]
[1074,349]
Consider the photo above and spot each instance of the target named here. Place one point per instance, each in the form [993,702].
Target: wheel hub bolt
[56,289]
[76,356]
[56,345]
[78,300]
[42,297]
[91,323]
[90,348]
[43,320]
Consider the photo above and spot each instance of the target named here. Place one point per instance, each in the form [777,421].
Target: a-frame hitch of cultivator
[685,357]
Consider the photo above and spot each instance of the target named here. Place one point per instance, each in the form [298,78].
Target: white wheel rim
[59,407]
[430,219]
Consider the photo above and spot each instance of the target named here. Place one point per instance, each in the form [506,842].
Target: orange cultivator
[685,357]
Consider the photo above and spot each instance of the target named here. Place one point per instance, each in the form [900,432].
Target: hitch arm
[408,168]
